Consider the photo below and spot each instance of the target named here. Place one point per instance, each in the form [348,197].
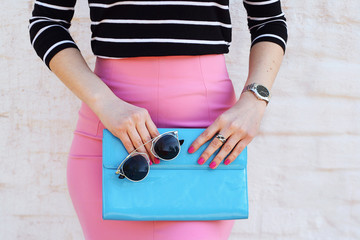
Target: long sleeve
[49,26]
[266,21]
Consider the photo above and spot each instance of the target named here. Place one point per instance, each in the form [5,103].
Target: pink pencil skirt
[177,91]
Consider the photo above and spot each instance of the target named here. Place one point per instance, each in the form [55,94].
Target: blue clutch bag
[176,190]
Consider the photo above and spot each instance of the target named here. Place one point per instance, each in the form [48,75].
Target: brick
[311,116]
[41,227]
[326,152]
[303,167]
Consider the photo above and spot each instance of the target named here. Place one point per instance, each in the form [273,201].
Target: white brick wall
[304,167]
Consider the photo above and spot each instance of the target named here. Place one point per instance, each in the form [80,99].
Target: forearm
[71,68]
[264,64]
[240,123]
[131,124]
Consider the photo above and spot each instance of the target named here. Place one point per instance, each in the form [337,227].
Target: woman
[159,64]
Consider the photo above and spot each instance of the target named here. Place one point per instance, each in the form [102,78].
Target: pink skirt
[177,91]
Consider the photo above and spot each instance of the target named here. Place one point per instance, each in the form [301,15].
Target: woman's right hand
[131,124]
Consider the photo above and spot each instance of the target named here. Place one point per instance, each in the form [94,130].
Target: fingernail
[212,165]
[156,160]
[191,149]
[201,160]
[227,161]
[151,163]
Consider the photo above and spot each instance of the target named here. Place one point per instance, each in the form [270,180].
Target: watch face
[262,91]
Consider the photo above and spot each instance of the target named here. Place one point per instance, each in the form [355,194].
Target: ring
[221,138]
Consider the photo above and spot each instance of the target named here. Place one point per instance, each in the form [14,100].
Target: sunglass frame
[161,135]
[120,171]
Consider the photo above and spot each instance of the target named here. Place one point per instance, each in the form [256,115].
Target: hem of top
[184,55]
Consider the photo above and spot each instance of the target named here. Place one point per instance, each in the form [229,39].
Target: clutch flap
[114,152]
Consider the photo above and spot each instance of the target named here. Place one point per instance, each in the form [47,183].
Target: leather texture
[179,189]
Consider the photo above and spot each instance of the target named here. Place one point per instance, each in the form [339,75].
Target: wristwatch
[260,91]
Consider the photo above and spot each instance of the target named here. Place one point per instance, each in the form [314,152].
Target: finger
[146,138]
[240,146]
[214,145]
[205,136]
[224,151]
[151,127]
[124,137]
[136,139]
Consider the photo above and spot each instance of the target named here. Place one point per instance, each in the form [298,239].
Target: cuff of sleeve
[276,33]
[274,39]
[51,41]
[61,46]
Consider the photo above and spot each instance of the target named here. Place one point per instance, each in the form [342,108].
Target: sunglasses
[135,167]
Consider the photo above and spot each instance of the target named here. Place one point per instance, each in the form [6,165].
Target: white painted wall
[304,167]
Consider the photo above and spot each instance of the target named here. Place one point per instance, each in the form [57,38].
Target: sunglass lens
[136,168]
[167,147]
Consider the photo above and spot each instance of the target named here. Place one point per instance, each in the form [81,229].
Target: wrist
[259,91]
[249,98]
[100,95]
[102,99]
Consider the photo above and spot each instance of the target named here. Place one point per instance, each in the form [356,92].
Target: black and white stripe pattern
[131,28]
[49,26]
[266,21]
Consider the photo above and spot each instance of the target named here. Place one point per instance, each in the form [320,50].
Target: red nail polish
[212,165]
[191,149]
[227,162]
[156,160]
[151,163]
[201,160]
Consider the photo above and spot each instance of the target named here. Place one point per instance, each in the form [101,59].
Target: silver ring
[221,138]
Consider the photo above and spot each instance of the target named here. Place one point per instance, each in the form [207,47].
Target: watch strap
[253,88]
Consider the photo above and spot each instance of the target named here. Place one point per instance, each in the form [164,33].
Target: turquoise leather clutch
[179,189]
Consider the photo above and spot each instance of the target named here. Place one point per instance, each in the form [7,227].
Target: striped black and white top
[132,28]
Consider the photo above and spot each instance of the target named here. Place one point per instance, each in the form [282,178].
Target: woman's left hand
[239,125]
